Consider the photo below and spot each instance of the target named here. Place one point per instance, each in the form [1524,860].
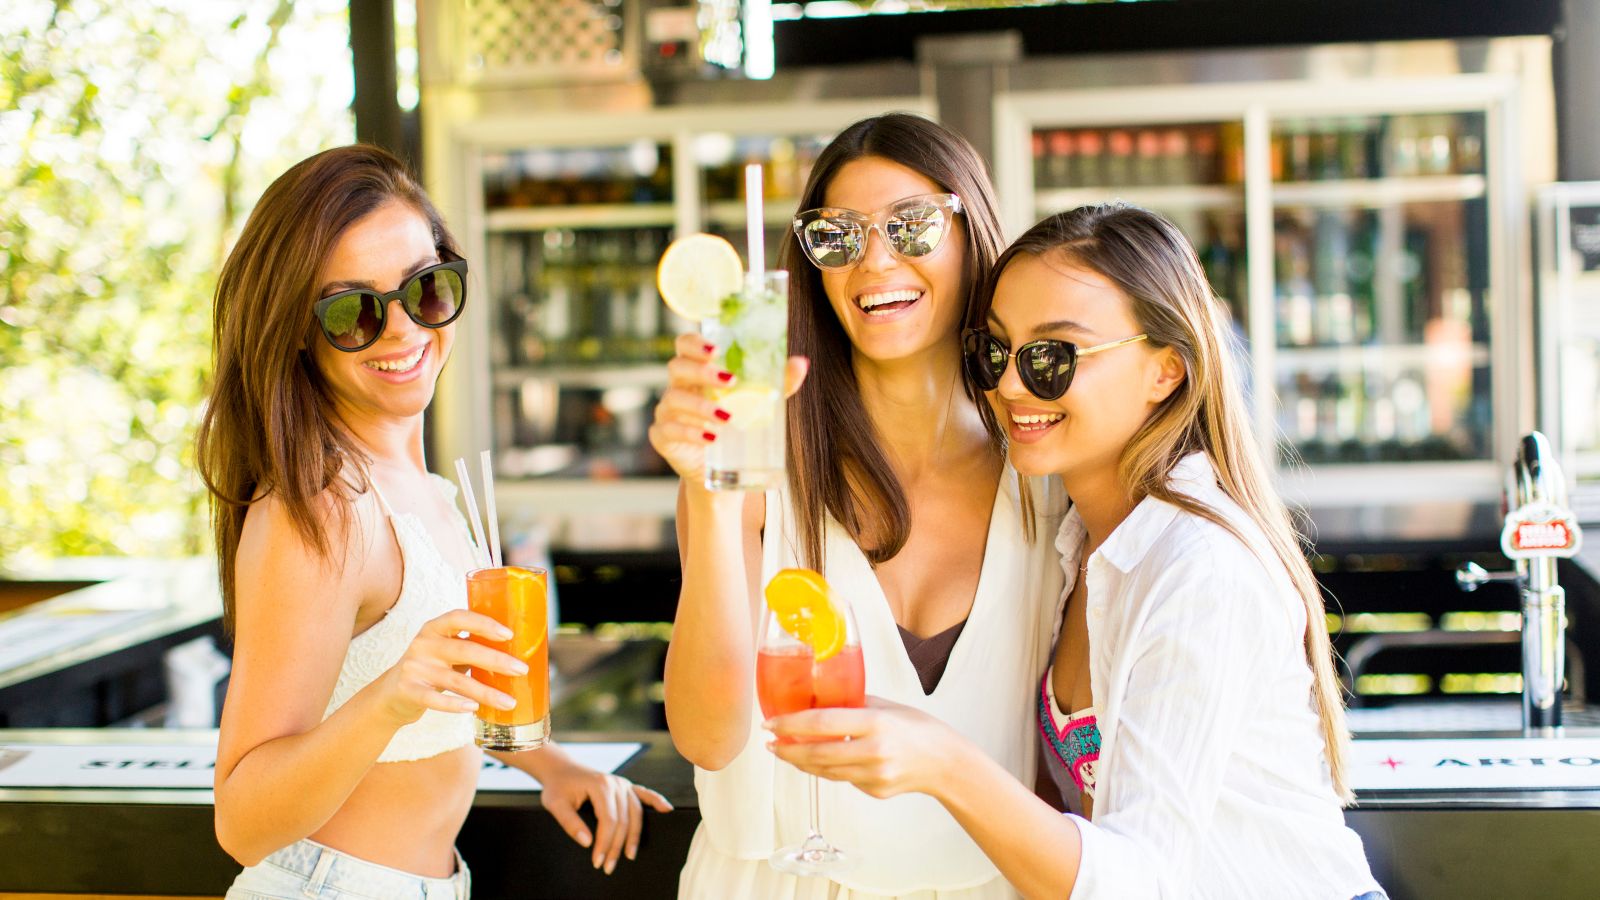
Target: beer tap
[1539,529]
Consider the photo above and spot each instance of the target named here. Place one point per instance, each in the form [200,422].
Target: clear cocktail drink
[515,597]
[751,335]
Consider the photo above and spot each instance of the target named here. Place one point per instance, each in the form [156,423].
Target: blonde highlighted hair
[1153,264]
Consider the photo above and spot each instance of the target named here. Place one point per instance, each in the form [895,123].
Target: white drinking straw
[756,224]
[472,509]
[488,508]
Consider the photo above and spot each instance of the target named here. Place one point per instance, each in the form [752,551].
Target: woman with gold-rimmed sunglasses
[898,493]
[1189,715]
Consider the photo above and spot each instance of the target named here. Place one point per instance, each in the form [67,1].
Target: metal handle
[1472,576]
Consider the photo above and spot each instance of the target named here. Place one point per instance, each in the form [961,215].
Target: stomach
[406,815]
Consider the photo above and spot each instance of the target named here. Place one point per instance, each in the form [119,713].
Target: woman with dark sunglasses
[346,760]
[1190,713]
[898,493]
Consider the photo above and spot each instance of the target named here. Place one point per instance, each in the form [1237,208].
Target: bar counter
[121,841]
[1422,844]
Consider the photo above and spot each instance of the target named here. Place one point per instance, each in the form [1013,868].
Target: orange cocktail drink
[515,597]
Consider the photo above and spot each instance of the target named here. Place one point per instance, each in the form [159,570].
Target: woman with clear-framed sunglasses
[1189,714]
[898,493]
[346,763]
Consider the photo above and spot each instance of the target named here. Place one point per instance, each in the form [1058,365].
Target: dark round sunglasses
[1045,367]
[353,320]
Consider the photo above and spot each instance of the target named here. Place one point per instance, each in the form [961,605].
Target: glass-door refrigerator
[1364,241]
[1568,241]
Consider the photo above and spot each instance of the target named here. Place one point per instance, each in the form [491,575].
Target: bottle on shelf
[1176,163]
[1203,154]
[1061,169]
[1230,152]
[1037,147]
[1295,306]
[1146,158]
[1292,146]
[1090,145]
[1119,158]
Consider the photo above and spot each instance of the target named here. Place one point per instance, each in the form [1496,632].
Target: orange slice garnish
[804,606]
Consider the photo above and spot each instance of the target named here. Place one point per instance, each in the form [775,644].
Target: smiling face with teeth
[394,378]
[1081,434]
[893,308]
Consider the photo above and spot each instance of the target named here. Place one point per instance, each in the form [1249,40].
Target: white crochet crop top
[430,586]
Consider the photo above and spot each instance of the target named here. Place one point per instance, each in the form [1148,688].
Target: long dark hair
[836,464]
[1154,266]
[269,425]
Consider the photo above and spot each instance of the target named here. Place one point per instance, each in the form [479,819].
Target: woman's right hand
[436,661]
[687,420]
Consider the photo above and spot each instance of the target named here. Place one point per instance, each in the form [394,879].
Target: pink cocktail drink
[788,680]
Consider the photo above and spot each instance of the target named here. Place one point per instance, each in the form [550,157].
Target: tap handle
[1472,576]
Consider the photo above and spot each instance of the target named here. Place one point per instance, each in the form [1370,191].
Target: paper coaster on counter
[1505,764]
[189,766]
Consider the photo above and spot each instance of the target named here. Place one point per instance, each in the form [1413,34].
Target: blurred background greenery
[134,135]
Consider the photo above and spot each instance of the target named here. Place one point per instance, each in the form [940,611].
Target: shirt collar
[1132,540]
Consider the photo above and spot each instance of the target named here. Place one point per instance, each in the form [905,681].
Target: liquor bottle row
[1341,280]
[570,297]
[785,164]
[1381,416]
[1127,157]
[1377,147]
[640,172]
[1300,150]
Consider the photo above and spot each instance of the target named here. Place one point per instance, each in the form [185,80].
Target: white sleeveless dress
[906,846]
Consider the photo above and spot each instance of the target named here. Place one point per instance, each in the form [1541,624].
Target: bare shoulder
[278,568]
[294,615]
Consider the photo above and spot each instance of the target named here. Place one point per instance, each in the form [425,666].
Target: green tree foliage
[133,136]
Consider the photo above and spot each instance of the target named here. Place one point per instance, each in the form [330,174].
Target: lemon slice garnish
[697,273]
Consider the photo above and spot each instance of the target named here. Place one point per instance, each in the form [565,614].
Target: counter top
[110,841]
[1421,844]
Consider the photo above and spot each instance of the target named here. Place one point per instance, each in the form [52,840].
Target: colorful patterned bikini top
[1075,738]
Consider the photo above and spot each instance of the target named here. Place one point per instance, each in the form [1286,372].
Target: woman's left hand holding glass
[884,749]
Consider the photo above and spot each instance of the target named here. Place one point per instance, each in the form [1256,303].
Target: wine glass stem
[816,826]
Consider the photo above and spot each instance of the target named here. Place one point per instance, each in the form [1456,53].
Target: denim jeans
[306,870]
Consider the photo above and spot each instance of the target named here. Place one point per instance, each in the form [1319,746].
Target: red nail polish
[710,348]
[724,415]
[724,376]
[709,436]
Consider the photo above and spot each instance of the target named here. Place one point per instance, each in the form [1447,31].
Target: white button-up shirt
[1212,779]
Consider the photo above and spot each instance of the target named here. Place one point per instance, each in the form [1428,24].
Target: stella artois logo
[1540,529]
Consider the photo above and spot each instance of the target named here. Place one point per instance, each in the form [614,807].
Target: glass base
[743,479]
[512,737]
[814,857]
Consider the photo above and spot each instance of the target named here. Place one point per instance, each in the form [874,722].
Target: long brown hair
[836,465]
[269,425]
[1153,264]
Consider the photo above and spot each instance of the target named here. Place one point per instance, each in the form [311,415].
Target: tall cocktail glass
[515,597]
[789,678]
[751,335]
